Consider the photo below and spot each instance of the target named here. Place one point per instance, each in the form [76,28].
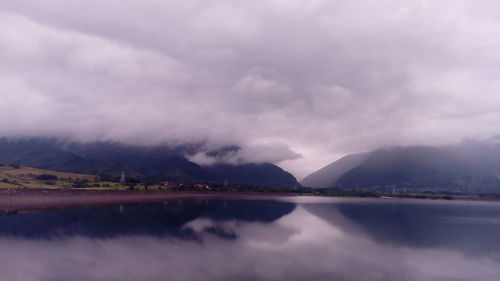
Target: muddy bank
[36,199]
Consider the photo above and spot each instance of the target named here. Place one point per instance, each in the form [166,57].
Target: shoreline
[25,200]
[21,200]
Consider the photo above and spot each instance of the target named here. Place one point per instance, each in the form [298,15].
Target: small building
[202,186]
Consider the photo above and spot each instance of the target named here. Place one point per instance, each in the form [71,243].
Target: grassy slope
[25,177]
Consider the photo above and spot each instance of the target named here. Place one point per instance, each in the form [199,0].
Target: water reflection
[155,219]
[248,240]
[470,227]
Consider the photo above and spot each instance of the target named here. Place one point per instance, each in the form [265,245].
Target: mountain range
[467,167]
[145,163]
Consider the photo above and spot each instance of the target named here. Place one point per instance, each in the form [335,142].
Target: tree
[46,177]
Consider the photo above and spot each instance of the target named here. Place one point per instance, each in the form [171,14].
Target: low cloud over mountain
[466,167]
[316,79]
[152,164]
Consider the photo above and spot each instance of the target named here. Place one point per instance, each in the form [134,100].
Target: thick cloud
[320,78]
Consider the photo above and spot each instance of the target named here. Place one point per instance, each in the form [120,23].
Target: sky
[299,83]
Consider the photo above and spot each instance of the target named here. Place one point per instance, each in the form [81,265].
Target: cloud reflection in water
[297,246]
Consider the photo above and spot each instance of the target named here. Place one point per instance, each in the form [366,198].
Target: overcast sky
[296,82]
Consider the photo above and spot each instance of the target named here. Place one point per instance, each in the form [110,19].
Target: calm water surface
[301,238]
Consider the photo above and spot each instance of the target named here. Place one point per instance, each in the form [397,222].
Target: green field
[15,177]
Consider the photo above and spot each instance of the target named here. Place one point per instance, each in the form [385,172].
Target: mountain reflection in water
[282,239]
[155,219]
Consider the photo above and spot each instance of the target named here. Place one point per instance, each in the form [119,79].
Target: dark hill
[327,176]
[154,164]
[469,167]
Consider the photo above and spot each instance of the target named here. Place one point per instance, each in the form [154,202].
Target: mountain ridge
[328,175]
[470,167]
[147,163]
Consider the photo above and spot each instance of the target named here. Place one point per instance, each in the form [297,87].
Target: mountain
[469,167]
[327,176]
[147,163]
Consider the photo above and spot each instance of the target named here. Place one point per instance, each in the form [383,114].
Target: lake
[282,238]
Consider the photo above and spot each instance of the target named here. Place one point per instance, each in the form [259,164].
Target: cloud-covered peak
[315,78]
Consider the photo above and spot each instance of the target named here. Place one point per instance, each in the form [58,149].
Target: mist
[305,82]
